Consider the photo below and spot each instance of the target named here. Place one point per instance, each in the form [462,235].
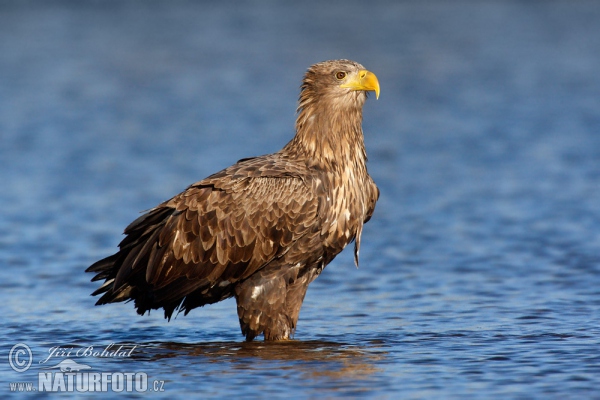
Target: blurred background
[480,270]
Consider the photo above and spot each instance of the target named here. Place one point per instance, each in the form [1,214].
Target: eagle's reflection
[314,358]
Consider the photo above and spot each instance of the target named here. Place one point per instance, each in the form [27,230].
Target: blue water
[480,270]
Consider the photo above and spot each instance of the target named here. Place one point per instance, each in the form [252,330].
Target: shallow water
[480,271]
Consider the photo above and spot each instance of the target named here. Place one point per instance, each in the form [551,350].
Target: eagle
[262,229]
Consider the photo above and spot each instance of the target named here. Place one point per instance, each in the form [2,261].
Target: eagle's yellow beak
[364,80]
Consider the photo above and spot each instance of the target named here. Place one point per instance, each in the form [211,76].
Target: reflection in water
[311,358]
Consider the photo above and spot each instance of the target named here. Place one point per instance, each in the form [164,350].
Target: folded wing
[192,249]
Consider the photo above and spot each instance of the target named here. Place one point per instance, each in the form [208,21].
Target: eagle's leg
[270,303]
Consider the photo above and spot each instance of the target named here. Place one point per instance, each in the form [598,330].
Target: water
[480,271]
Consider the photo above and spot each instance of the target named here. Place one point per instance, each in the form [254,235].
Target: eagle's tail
[124,272]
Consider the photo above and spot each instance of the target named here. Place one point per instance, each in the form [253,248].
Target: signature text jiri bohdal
[110,351]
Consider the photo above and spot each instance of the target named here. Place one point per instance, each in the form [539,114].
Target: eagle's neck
[329,132]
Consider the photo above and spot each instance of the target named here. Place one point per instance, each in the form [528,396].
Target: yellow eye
[340,75]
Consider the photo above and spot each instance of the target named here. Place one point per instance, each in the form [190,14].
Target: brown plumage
[264,228]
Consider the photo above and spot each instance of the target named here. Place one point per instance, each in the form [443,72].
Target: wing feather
[215,233]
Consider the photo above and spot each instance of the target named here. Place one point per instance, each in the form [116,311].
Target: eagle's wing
[218,231]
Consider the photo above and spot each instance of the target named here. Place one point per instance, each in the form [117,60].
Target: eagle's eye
[340,75]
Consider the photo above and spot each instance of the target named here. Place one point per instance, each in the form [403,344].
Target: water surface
[480,271]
